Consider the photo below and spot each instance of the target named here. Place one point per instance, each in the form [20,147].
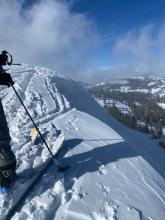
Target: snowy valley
[137,102]
[116,173]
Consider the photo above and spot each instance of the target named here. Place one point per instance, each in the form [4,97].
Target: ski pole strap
[33,122]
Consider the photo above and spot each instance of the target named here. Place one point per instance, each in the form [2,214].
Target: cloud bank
[48,34]
[140,51]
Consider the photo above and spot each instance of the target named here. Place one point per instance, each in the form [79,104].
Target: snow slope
[116,173]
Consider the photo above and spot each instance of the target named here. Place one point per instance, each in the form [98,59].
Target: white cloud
[47,34]
[142,49]
[50,34]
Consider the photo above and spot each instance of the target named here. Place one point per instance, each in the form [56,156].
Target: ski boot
[7,168]
[7,179]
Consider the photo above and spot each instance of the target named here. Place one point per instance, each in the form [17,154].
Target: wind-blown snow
[116,173]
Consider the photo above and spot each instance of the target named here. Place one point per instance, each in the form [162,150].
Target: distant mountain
[146,84]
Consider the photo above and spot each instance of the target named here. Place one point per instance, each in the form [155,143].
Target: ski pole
[33,121]
[16,64]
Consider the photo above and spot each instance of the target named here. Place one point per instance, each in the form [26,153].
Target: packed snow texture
[115,174]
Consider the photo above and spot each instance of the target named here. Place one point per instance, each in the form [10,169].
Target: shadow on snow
[138,142]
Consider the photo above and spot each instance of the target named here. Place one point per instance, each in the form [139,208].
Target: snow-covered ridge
[115,173]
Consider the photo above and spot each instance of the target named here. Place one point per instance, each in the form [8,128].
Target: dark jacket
[7,157]
[3,59]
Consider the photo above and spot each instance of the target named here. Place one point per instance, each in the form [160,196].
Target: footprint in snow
[108,212]
[114,166]
[102,170]
[106,190]
[71,126]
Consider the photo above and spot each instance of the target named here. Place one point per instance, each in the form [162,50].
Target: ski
[20,191]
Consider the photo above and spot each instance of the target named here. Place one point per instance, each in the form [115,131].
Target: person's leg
[4,130]
[7,157]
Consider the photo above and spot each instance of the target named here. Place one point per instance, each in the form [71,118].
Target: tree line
[145,115]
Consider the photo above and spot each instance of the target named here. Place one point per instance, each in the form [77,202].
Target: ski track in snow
[152,186]
[107,180]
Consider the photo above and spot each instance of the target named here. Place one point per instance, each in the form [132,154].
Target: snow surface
[116,173]
[123,108]
[101,102]
[162,105]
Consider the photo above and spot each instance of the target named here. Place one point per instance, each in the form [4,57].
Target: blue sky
[116,18]
[86,39]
